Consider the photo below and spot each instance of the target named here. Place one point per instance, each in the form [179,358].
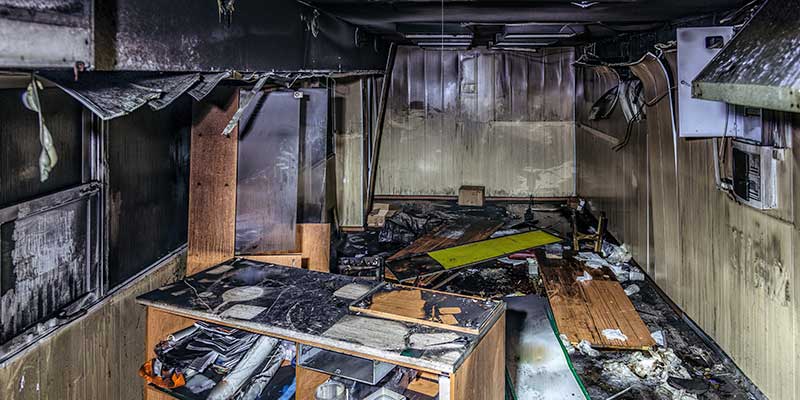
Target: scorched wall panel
[498,119]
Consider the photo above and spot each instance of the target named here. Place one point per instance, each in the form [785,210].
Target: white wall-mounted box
[696,47]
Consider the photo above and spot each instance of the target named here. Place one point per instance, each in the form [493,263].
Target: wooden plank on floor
[464,230]
[583,310]
[212,181]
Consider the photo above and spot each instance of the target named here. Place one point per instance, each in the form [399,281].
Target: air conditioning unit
[755,175]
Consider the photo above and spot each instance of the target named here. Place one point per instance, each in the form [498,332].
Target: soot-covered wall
[148,164]
[504,120]
[731,268]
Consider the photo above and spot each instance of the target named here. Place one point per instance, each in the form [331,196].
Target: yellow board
[486,250]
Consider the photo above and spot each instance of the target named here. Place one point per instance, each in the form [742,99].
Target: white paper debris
[591,258]
[632,289]
[586,349]
[658,336]
[509,261]
[635,275]
[616,254]
[567,344]
[584,278]
[620,273]
[614,334]
[533,267]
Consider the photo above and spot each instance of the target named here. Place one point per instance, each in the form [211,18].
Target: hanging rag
[48,158]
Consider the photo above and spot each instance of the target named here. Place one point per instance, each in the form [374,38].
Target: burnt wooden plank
[583,310]
[212,179]
[428,307]
[461,231]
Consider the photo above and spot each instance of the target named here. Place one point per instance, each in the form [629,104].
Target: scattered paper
[632,289]
[614,334]
[635,275]
[509,261]
[586,349]
[533,267]
[584,278]
[658,336]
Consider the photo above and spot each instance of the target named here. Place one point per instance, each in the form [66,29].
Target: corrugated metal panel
[350,160]
[498,119]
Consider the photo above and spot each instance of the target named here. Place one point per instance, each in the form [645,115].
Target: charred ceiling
[515,23]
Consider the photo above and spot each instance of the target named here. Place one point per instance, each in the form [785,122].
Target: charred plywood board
[266,187]
[314,134]
[466,255]
[43,266]
[591,309]
[461,231]
[212,179]
[431,308]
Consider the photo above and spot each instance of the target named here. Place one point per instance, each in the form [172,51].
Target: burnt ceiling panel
[487,18]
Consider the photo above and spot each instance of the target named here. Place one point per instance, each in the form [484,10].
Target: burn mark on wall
[758,261]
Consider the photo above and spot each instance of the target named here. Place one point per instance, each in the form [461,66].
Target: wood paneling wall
[504,120]
[729,267]
[96,357]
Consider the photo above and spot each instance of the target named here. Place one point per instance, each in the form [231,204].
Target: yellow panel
[488,249]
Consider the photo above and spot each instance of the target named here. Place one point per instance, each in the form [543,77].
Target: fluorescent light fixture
[449,45]
[438,36]
[560,35]
[527,43]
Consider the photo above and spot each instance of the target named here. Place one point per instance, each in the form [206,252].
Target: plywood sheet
[482,376]
[461,231]
[212,181]
[266,187]
[487,249]
[583,310]
[428,307]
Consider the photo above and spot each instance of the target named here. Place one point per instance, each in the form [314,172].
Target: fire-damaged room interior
[399,199]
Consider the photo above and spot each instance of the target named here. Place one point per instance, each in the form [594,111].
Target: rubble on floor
[681,365]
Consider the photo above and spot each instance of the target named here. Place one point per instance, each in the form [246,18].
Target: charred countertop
[312,308]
